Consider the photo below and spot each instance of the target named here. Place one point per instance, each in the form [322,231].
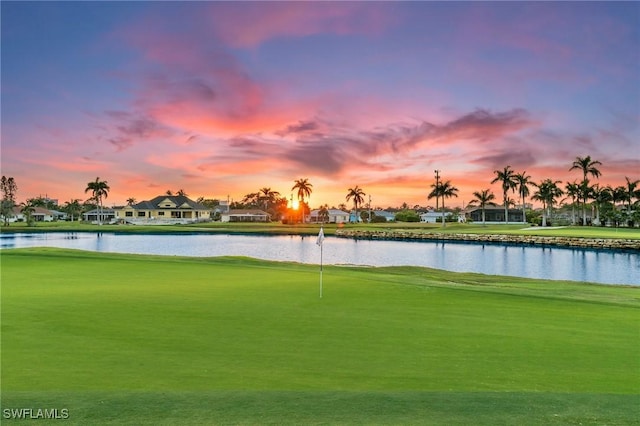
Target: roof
[330,212]
[245,212]
[179,202]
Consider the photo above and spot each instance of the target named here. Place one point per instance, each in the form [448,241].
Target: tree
[547,192]
[600,196]
[304,189]
[631,191]
[588,167]
[323,214]
[9,188]
[357,194]
[508,179]
[268,197]
[522,180]
[131,201]
[27,210]
[73,208]
[484,198]
[573,191]
[447,191]
[99,189]
[181,193]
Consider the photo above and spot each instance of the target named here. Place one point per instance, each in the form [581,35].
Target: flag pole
[319,242]
[320,271]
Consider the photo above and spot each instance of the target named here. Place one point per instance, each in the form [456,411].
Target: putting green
[127,339]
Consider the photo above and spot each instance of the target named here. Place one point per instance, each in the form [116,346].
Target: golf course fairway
[131,339]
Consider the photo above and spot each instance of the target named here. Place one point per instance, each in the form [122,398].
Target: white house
[434,217]
[245,215]
[334,216]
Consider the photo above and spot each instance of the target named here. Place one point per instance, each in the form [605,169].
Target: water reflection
[608,267]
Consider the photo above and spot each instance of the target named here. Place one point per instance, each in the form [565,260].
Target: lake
[599,266]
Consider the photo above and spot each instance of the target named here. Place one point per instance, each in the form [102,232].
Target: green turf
[329,229]
[123,339]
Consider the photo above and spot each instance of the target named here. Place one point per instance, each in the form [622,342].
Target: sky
[221,99]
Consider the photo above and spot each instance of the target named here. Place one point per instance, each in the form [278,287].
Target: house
[334,216]
[107,214]
[244,215]
[390,217]
[494,214]
[434,217]
[164,209]
[39,214]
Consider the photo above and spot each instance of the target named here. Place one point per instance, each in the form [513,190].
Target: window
[128,214]
[160,213]
[141,214]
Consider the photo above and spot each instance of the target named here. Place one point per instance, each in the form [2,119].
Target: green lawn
[311,229]
[124,339]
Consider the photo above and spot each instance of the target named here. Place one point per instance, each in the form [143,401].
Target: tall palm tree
[507,177]
[447,191]
[73,208]
[484,198]
[547,192]
[131,201]
[358,197]
[523,180]
[99,189]
[304,189]
[573,191]
[588,167]
[631,191]
[600,196]
[268,196]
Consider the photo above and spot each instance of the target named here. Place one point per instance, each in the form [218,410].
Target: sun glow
[295,204]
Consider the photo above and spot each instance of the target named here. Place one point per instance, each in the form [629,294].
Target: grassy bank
[123,339]
[277,228]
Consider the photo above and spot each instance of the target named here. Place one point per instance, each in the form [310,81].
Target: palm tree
[303,187]
[600,196]
[573,192]
[323,214]
[181,193]
[131,201]
[358,197]
[447,191]
[73,208]
[99,189]
[484,198]
[547,192]
[27,210]
[522,180]
[507,177]
[268,196]
[588,167]
[631,191]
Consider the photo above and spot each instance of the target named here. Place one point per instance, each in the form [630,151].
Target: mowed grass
[126,339]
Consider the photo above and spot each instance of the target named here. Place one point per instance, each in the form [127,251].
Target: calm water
[600,266]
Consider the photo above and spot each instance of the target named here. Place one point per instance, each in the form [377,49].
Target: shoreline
[570,242]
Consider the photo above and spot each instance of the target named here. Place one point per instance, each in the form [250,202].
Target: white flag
[320,237]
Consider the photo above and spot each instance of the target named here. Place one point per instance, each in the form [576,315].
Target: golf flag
[320,237]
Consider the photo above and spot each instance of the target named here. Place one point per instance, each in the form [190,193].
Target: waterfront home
[245,215]
[334,216]
[434,217]
[494,214]
[163,209]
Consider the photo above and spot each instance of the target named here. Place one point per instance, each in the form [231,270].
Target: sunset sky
[221,99]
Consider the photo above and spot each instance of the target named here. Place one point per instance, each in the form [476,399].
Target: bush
[407,216]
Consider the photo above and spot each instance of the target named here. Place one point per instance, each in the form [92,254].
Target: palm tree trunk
[483,221]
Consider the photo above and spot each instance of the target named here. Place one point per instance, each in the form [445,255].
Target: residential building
[244,215]
[494,214]
[164,209]
[434,217]
[334,216]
